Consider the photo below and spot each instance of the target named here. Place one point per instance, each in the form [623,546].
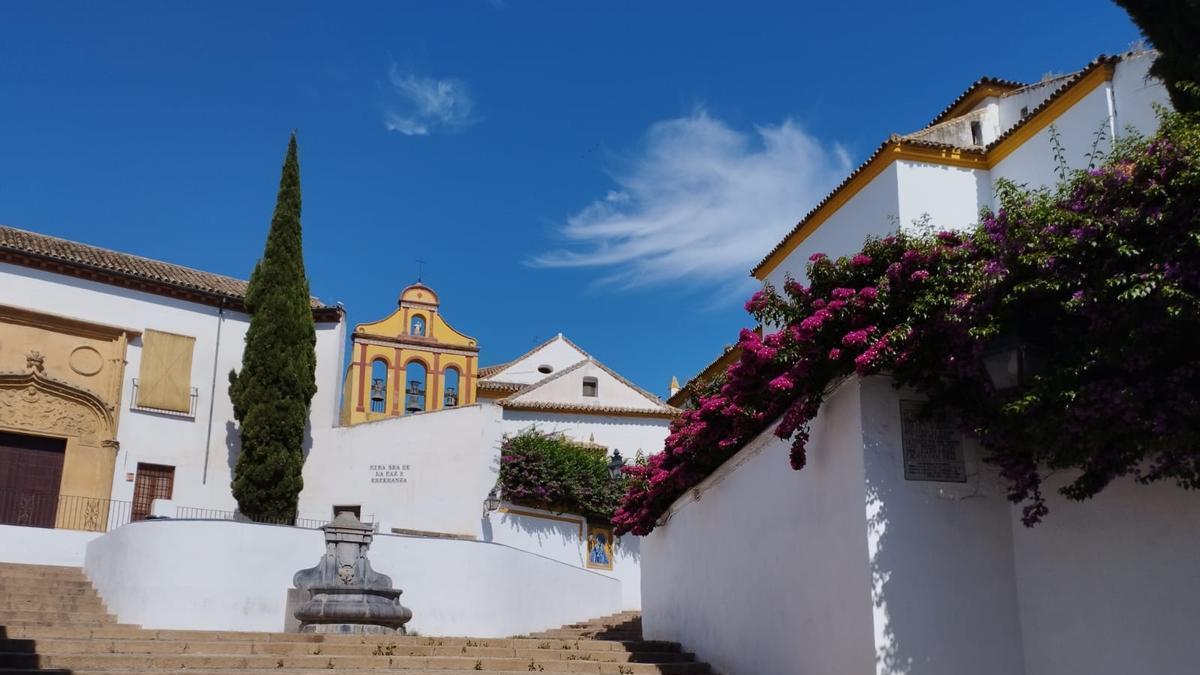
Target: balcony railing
[189,413]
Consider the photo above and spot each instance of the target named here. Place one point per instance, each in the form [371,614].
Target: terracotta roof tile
[156,274]
[985,81]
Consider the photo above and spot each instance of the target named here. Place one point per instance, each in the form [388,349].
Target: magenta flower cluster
[1102,275]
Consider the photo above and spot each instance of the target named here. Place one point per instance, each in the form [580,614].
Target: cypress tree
[272,393]
[1172,27]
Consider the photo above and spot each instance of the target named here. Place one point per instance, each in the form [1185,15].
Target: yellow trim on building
[898,149]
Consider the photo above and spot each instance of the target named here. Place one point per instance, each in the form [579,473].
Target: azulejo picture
[600,548]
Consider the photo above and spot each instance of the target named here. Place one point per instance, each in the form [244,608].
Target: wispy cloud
[700,201]
[428,105]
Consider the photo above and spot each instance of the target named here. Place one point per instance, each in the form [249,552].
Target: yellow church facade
[412,361]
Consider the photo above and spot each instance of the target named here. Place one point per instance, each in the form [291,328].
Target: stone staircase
[52,621]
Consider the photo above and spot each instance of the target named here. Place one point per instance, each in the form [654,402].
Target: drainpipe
[212,394]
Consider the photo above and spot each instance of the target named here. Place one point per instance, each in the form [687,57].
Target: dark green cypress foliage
[272,393]
[1173,27]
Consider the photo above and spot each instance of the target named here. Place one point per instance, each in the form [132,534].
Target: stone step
[121,633]
[285,671]
[169,647]
[39,616]
[77,662]
[18,568]
[38,587]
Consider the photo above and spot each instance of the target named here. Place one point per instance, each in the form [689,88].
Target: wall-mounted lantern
[1011,362]
[616,465]
[492,502]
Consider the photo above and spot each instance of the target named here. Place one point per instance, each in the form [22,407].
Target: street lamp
[1011,363]
[616,465]
[492,502]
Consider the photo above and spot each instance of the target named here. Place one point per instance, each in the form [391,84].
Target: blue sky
[607,170]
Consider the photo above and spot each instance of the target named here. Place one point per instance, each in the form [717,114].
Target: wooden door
[30,475]
[154,481]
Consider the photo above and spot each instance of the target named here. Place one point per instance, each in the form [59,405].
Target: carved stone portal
[347,595]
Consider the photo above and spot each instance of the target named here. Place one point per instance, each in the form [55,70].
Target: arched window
[414,393]
[591,387]
[379,378]
[450,398]
[417,326]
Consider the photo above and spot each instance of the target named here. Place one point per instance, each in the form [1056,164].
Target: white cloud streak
[428,105]
[700,202]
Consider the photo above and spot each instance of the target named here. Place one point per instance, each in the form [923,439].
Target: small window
[417,326]
[154,481]
[976,133]
[545,369]
[590,386]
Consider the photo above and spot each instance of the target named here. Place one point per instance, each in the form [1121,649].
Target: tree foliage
[272,393]
[1102,274]
[552,472]
[1172,26]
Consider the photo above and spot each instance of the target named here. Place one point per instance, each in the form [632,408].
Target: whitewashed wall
[452,458]
[43,546]
[767,571]
[627,434]
[160,439]
[873,210]
[563,537]
[1111,586]
[950,196]
[235,576]
[943,588]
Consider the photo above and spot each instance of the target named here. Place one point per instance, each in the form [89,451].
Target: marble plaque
[933,449]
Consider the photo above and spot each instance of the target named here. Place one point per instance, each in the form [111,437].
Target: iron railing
[193,397]
[93,514]
[38,509]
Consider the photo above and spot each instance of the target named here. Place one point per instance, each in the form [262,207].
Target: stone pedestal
[347,595]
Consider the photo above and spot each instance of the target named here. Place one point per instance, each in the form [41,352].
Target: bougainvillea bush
[1101,275]
[550,471]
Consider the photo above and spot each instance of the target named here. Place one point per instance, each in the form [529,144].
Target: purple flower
[919,275]
[860,260]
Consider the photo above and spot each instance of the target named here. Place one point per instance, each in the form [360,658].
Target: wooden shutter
[154,481]
[165,375]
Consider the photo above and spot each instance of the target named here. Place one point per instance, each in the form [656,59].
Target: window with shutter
[165,375]
[154,481]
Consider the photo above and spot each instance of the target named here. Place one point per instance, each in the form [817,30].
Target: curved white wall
[210,575]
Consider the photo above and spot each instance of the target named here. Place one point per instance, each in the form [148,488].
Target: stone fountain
[347,596]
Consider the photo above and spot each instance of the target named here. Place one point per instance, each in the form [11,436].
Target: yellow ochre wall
[390,340]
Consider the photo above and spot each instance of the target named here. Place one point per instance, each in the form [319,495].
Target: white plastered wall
[235,576]
[766,571]
[568,388]
[429,471]
[950,196]
[182,442]
[558,354]
[873,210]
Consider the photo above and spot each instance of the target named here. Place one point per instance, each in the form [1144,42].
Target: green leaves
[272,393]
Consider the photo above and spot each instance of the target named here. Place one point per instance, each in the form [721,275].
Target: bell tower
[413,361]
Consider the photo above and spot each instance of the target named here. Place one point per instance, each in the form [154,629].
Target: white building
[114,394]
[137,353]
[858,567]
[946,172]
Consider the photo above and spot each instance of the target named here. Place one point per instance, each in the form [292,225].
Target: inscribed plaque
[933,449]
